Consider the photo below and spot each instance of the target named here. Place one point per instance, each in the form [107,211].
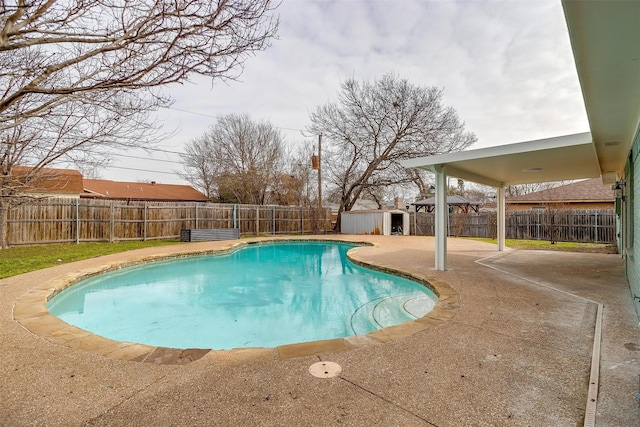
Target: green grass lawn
[23,259]
[545,245]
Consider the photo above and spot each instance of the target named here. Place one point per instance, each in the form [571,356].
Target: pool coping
[31,312]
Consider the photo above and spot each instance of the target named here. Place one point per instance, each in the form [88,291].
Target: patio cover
[552,159]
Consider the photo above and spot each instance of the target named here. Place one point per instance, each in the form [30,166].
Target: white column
[442,218]
[501,214]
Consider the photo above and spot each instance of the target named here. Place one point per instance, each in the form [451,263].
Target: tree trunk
[336,226]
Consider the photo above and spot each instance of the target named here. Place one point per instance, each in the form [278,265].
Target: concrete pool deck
[513,348]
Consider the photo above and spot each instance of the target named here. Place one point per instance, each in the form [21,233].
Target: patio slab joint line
[384,399]
[592,394]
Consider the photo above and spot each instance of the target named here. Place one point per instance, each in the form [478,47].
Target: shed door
[397,223]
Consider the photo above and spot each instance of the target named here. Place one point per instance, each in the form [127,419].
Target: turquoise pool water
[262,295]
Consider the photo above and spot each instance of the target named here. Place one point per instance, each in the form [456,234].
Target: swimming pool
[262,295]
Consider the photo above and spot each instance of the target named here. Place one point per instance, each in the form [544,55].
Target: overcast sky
[505,66]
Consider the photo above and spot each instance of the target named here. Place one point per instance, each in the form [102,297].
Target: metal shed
[383,222]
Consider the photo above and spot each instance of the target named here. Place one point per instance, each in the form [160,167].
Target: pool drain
[325,369]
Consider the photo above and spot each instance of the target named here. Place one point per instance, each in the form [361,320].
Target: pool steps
[383,312]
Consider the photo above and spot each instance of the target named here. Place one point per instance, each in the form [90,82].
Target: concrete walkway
[516,352]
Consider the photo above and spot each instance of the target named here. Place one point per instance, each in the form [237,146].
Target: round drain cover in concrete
[325,369]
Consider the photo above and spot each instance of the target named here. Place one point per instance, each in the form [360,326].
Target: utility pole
[320,173]
[316,163]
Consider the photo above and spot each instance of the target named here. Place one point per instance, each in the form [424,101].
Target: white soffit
[605,38]
[552,159]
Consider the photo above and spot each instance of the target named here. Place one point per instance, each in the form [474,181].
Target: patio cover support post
[442,217]
[501,215]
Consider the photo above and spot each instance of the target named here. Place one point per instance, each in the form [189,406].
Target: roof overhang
[552,159]
[605,39]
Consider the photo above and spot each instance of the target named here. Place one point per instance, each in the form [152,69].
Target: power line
[193,112]
[158,150]
[150,158]
[141,170]
[167,151]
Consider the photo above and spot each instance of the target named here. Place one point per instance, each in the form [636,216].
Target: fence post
[235,225]
[77,220]
[273,220]
[111,221]
[301,221]
[327,213]
[596,227]
[196,214]
[257,220]
[144,222]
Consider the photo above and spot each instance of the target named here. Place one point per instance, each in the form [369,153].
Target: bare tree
[79,79]
[480,193]
[199,170]
[423,182]
[522,189]
[53,49]
[373,126]
[296,183]
[236,160]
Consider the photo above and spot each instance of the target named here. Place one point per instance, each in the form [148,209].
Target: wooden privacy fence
[88,220]
[597,226]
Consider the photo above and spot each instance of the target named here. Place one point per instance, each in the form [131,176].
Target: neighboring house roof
[364,205]
[106,189]
[590,190]
[50,180]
